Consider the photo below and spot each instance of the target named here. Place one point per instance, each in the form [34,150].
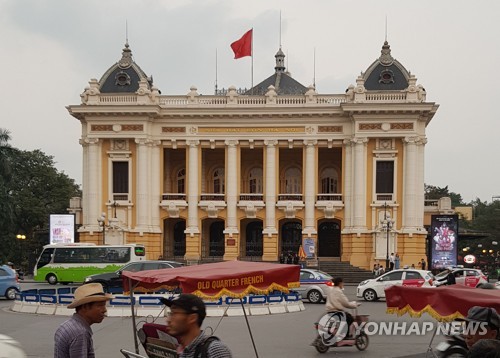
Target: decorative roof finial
[385,58]
[126,60]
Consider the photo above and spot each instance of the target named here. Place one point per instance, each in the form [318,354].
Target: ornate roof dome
[124,76]
[386,73]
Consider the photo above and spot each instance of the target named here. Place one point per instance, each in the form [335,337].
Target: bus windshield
[74,262]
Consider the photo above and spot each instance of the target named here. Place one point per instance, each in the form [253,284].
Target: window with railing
[293,181]
[181,181]
[329,181]
[120,180]
[218,181]
[384,181]
[255,181]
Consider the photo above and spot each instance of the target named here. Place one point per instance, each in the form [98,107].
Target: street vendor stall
[235,279]
[445,303]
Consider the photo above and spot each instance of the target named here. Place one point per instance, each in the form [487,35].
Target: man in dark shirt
[422,264]
[73,338]
[184,321]
[450,279]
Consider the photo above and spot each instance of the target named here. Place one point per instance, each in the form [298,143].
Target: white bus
[67,263]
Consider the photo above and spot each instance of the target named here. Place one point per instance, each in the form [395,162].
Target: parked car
[373,289]
[9,283]
[113,282]
[463,276]
[497,285]
[314,284]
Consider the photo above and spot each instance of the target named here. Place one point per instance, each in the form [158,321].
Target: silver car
[314,284]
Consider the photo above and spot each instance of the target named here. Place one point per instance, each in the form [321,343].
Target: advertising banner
[62,229]
[444,239]
[309,248]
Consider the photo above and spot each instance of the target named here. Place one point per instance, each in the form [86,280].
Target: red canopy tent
[444,303]
[234,279]
[211,281]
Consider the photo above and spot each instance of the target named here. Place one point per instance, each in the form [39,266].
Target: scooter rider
[336,300]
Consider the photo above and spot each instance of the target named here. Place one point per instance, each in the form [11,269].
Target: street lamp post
[21,238]
[387,224]
[102,223]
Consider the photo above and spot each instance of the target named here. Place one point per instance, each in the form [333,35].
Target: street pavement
[281,335]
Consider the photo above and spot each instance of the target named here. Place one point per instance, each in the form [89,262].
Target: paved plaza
[283,335]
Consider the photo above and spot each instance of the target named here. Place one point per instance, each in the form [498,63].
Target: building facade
[250,175]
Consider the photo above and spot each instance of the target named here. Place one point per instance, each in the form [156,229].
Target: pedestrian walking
[73,338]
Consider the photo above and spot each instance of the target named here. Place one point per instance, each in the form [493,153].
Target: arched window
[293,181]
[218,181]
[181,180]
[255,181]
[329,181]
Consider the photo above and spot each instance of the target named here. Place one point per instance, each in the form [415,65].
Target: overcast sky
[51,49]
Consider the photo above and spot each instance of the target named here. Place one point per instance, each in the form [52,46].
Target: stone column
[142,185]
[192,194]
[347,180]
[85,182]
[310,187]
[231,188]
[359,178]
[410,183]
[270,196]
[231,236]
[156,177]
[420,183]
[92,192]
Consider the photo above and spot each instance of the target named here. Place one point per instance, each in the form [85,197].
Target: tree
[5,180]
[434,193]
[37,189]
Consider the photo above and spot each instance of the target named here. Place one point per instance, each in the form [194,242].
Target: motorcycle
[454,346]
[332,332]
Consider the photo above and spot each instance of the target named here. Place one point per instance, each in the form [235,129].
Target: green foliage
[434,193]
[31,189]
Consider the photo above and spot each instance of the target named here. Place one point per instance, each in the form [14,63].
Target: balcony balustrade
[329,197]
[173,196]
[251,197]
[288,197]
[212,197]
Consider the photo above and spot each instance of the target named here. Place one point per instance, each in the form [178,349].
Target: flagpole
[215,71]
[252,62]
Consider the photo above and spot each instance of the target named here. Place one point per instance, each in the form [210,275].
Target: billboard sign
[62,228]
[444,239]
[309,248]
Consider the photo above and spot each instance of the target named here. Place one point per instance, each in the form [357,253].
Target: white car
[463,276]
[373,289]
[314,284]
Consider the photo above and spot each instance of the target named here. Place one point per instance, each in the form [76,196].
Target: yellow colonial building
[252,175]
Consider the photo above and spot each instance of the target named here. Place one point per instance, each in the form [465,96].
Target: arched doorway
[216,242]
[329,239]
[291,237]
[179,239]
[253,236]
[174,238]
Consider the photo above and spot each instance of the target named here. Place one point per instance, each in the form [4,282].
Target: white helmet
[10,348]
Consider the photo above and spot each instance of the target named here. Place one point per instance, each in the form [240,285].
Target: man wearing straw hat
[73,338]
